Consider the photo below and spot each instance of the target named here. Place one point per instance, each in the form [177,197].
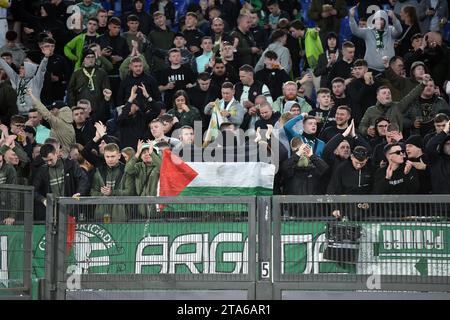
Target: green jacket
[145,177]
[313,47]
[76,44]
[393,111]
[186,118]
[78,89]
[22,169]
[123,187]
[8,200]
[8,174]
[162,39]
[404,85]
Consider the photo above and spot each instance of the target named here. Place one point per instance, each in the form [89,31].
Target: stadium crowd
[89,100]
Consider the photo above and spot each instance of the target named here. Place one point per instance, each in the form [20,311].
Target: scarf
[21,90]
[56,175]
[379,39]
[90,76]
[303,161]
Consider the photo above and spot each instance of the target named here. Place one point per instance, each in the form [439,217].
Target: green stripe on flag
[215,192]
[225,191]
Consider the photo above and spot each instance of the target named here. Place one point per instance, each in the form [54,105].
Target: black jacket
[135,127]
[439,164]
[119,47]
[55,90]
[302,180]
[127,84]
[400,183]
[75,181]
[86,133]
[328,152]
[254,90]
[362,97]
[273,79]
[347,180]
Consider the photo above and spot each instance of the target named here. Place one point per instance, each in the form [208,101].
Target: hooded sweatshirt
[32,79]
[374,56]
[284,56]
[61,125]
[439,164]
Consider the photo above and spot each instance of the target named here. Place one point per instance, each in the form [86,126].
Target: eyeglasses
[398,152]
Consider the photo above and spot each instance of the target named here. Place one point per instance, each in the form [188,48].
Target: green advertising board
[213,248]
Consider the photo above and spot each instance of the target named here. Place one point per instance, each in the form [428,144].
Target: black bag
[342,242]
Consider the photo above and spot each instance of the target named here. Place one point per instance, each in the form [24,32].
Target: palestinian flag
[179,178]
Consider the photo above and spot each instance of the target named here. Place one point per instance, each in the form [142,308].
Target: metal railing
[15,241]
[105,247]
[379,244]
[221,247]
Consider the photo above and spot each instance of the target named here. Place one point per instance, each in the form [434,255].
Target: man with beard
[290,94]
[221,73]
[342,117]
[88,83]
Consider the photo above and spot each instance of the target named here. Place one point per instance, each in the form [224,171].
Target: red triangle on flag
[175,175]
[71,223]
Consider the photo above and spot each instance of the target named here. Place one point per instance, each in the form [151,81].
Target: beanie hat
[416,64]
[415,140]
[86,53]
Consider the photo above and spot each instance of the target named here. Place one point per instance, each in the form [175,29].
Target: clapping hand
[389,171]
[107,94]
[144,91]
[418,165]
[133,94]
[100,130]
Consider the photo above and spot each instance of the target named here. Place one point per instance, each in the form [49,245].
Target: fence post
[51,234]
[264,262]
[28,234]
[60,257]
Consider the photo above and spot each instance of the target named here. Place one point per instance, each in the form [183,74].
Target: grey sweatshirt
[34,80]
[374,56]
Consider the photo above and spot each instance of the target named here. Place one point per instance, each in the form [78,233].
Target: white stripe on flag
[233,174]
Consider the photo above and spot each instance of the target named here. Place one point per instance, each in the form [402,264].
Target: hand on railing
[9,221]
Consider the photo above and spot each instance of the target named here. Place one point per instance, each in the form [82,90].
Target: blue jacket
[316,144]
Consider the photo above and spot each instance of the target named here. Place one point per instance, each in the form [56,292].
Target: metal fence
[16,202]
[123,247]
[281,247]
[377,244]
